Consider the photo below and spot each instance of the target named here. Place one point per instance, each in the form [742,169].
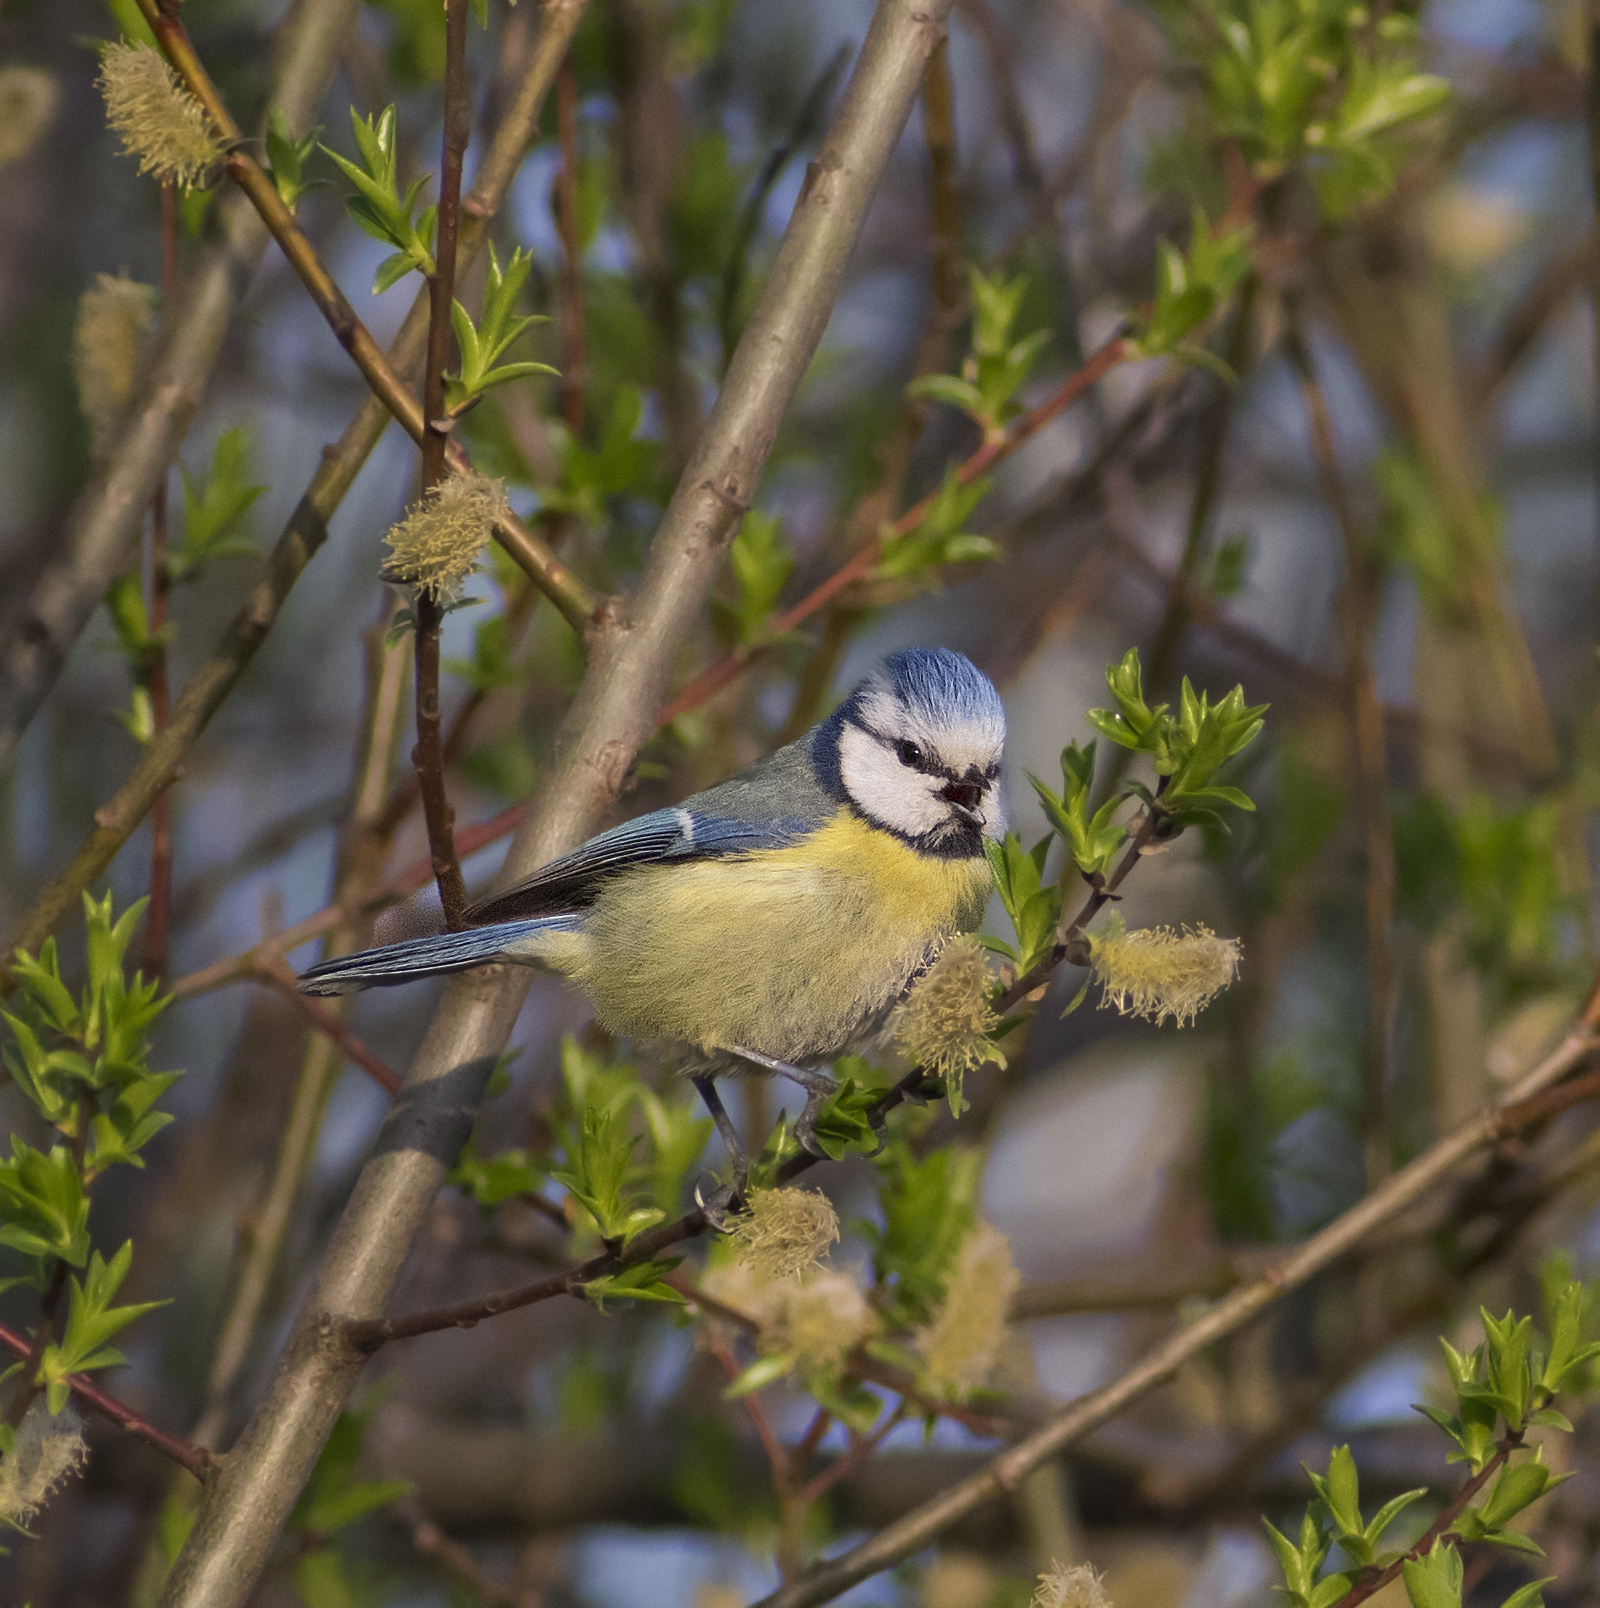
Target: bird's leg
[731,1196]
[818,1086]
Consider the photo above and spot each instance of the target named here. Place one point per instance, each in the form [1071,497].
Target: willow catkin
[155,117]
[438,544]
[1156,972]
[110,341]
[960,1345]
[784,1231]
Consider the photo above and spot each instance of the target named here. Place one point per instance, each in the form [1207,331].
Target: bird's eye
[909,754]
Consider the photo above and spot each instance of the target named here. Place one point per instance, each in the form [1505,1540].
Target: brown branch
[1454,1508]
[576,600]
[305,532]
[1356,614]
[1004,1472]
[860,564]
[574,380]
[101,532]
[427,611]
[431,1541]
[196,1459]
[273,971]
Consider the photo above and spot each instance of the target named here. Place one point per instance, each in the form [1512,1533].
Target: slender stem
[158,917]
[860,564]
[576,600]
[196,1459]
[1003,1473]
[28,1386]
[428,756]
[1454,1508]
[1356,612]
[573,377]
[305,533]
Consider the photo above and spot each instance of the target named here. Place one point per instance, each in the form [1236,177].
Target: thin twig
[196,1459]
[162,761]
[1003,1473]
[432,1542]
[428,611]
[576,600]
[860,564]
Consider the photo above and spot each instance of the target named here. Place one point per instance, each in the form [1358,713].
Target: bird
[773,922]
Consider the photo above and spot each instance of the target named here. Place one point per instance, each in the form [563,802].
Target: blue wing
[572,882]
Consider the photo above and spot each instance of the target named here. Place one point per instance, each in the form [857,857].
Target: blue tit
[773,922]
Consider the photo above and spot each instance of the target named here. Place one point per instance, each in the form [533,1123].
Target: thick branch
[162,760]
[616,709]
[1089,1412]
[97,543]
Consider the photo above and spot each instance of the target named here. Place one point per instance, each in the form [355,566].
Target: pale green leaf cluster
[483,344]
[287,157]
[378,208]
[759,562]
[998,364]
[1503,1387]
[940,536]
[1190,287]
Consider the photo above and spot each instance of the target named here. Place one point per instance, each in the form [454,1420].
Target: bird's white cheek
[884,789]
[994,809]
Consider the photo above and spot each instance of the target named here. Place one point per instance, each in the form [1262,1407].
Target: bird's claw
[805,1128]
[723,1203]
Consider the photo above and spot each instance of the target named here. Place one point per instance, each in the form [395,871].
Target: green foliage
[678,1134]
[287,157]
[998,366]
[1314,83]
[212,509]
[484,343]
[640,1282]
[492,665]
[1092,842]
[620,463]
[1190,287]
[489,1180]
[842,1126]
[599,1152]
[1188,749]
[86,1059]
[130,618]
[927,1205]
[378,208]
[1033,905]
[92,1320]
[938,537]
[759,562]
[44,1212]
[1503,1387]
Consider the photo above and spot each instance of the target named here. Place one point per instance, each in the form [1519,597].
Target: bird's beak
[963,798]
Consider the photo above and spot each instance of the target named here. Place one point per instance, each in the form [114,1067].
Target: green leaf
[938,537]
[1434,1580]
[1530,1595]
[286,158]
[762,1372]
[640,1282]
[43,1209]
[92,1320]
[334,1496]
[214,508]
[482,344]
[760,562]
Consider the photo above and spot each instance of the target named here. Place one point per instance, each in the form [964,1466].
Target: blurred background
[1416,913]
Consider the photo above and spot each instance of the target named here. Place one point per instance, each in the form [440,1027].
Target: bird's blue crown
[941,685]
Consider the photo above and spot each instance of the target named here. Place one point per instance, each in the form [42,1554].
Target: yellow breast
[794,952]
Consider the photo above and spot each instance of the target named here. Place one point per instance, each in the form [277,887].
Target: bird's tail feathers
[434,956]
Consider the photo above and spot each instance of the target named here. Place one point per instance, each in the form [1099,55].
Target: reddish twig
[273,969]
[1372,1579]
[196,1459]
[860,564]
[428,613]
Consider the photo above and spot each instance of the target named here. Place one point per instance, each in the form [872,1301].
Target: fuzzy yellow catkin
[944,1023]
[110,339]
[438,544]
[959,1347]
[1077,1587]
[820,1318]
[155,117]
[784,1231]
[1156,972]
[29,97]
[49,1447]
